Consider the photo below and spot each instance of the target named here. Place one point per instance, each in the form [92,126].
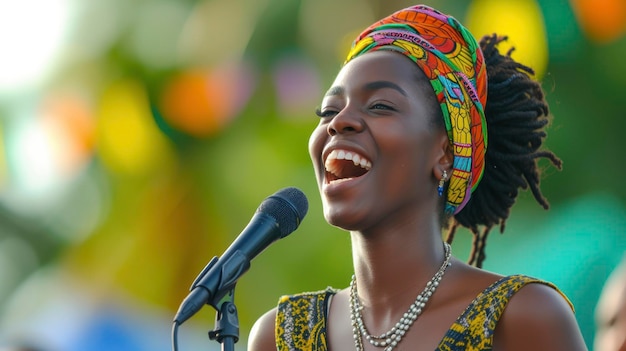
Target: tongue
[345,169]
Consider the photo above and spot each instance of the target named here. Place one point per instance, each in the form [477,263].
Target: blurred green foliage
[148,233]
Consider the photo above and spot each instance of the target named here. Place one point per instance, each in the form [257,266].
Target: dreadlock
[516,114]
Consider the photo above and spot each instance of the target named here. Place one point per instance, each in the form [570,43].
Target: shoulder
[297,312]
[538,317]
[262,335]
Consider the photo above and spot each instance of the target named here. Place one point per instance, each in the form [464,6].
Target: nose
[346,121]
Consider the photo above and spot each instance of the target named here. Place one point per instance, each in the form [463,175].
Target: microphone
[277,216]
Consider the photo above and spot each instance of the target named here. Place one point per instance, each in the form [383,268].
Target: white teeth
[340,180]
[357,159]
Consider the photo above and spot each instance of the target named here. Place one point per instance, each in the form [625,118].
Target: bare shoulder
[538,318]
[262,335]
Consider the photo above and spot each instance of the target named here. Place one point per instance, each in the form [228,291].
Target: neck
[390,338]
[391,267]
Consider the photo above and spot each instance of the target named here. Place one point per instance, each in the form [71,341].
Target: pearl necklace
[392,338]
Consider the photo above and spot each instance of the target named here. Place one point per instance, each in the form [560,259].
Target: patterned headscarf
[453,62]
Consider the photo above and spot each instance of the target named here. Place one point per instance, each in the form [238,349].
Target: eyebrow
[375,85]
[334,91]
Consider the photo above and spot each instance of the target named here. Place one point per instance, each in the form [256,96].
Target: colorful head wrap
[453,62]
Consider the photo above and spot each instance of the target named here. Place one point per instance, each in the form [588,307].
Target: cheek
[317,141]
[414,159]
[412,146]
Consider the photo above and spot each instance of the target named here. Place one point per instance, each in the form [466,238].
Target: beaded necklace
[392,338]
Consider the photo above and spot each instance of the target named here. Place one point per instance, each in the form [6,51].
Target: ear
[444,156]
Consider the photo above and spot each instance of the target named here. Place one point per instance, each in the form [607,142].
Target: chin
[346,220]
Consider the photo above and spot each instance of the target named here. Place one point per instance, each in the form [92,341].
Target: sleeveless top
[301,318]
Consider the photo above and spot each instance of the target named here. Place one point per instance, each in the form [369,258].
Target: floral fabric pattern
[301,318]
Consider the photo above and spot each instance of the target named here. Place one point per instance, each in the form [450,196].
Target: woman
[399,152]
[611,312]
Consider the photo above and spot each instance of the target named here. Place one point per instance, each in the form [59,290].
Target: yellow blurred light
[602,20]
[520,20]
[128,140]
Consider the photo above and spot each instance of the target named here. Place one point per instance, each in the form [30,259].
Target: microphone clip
[220,283]
[226,322]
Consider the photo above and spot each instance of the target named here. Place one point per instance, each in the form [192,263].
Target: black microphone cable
[175,336]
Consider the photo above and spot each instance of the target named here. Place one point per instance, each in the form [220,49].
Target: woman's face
[377,144]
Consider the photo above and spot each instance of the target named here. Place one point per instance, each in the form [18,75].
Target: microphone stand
[222,285]
[226,330]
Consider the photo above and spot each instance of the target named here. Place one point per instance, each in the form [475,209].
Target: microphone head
[288,207]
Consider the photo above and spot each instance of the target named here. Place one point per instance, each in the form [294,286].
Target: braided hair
[516,114]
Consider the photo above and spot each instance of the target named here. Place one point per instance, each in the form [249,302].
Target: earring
[442,181]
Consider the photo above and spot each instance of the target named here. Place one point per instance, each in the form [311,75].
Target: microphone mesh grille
[288,206]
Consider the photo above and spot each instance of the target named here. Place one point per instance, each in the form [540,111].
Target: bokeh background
[138,137]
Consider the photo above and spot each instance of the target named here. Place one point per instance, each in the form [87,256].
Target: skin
[611,313]
[382,107]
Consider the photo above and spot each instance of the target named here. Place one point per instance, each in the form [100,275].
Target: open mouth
[344,165]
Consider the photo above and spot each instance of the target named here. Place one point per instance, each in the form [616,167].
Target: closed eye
[325,113]
[382,107]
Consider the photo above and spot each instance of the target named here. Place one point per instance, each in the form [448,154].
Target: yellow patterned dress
[301,318]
